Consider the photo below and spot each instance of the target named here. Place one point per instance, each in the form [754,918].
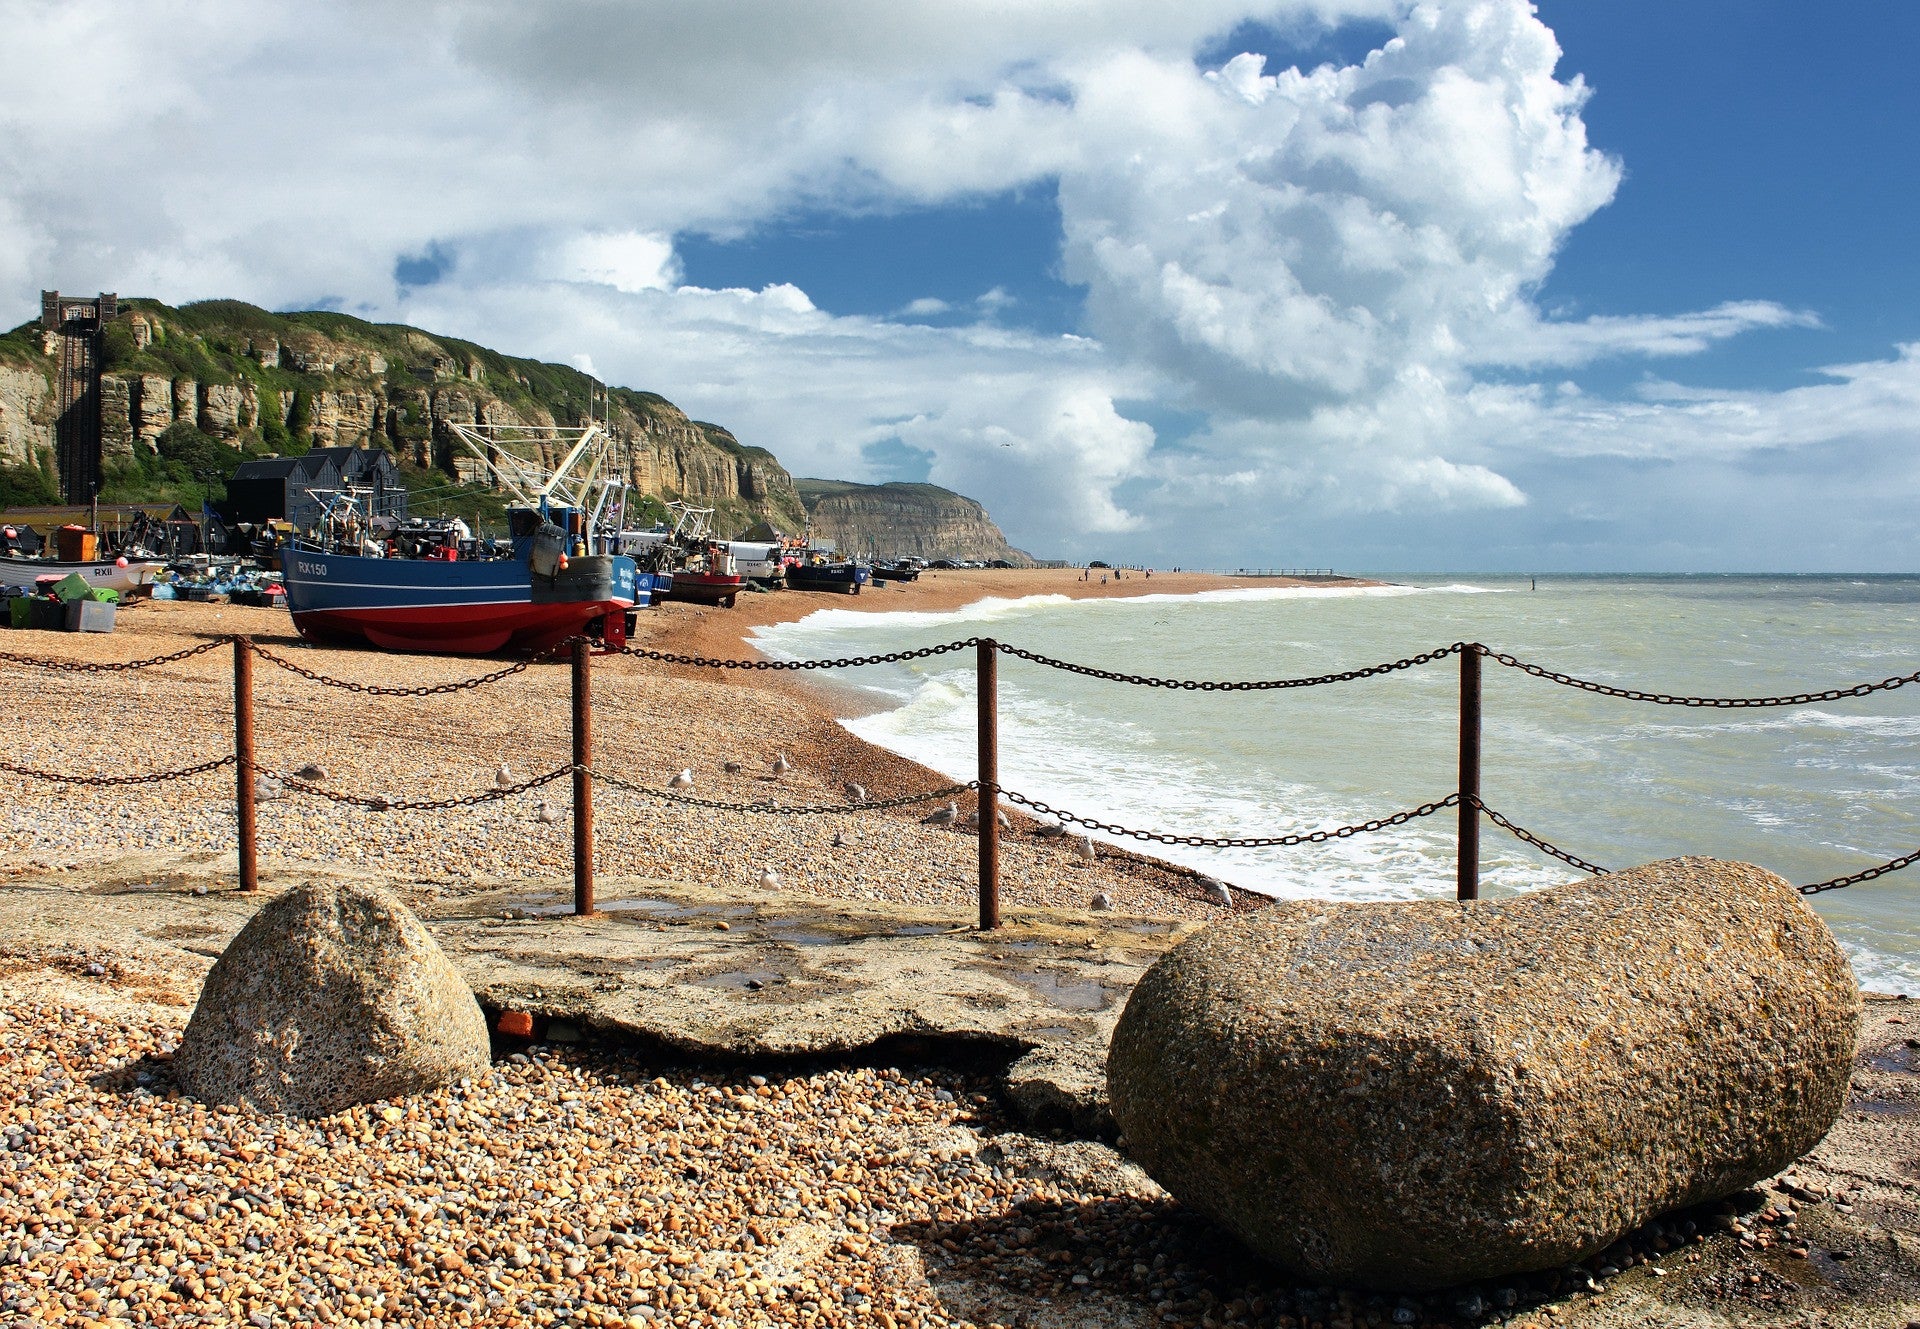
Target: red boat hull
[455,629]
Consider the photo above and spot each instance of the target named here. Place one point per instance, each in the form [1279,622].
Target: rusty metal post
[243,772]
[582,781]
[987,665]
[1469,857]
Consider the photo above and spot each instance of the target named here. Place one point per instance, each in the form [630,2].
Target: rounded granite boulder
[1406,1096]
[330,996]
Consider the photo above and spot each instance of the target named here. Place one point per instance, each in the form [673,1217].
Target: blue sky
[1460,286]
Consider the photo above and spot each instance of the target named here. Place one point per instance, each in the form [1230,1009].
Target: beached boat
[690,564]
[816,573]
[128,576]
[354,581]
[901,571]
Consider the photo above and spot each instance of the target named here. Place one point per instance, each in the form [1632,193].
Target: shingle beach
[603,1183]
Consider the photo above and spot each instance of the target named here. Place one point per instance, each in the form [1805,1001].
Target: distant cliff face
[267,382]
[902,520]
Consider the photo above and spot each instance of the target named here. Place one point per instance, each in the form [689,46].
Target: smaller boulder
[330,996]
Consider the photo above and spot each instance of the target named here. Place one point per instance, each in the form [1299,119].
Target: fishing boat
[816,570]
[128,572]
[900,571]
[354,580]
[691,564]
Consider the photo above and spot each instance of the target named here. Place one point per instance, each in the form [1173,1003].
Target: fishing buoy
[120,562]
[563,562]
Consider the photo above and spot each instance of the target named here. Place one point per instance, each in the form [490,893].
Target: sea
[1812,791]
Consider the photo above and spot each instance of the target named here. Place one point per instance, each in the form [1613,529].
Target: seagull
[502,777]
[266,791]
[839,840]
[1086,848]
[312,773]
[945,816]
[1216,891]
[781,765]
[856,793]
[684,780]
[546,815]
[1101,902]
[734,767]
[1052,830]
[1000,816]
[769,879]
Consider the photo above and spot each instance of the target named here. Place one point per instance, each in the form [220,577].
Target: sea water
[1811,791]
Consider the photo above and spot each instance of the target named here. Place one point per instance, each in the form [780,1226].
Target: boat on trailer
[464,597]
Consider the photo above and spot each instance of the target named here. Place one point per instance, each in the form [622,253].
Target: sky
[1465,286]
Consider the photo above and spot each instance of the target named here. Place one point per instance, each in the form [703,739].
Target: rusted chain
[892,657]
[1838,883]
[1522,833]
[123,666]
[1239,685]
[371,689]
[377,803]
[768,806]
[104,780]
[1039,808]
[1671,699]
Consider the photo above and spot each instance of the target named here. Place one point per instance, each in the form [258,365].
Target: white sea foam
[1811,791]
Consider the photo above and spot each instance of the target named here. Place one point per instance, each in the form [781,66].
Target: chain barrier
[377,803]
[124,666]
[892,657]
[1248,685]
[373,690]
[1039,808]
[1522,833]
[156,777]
[1839,883]
[780,809]
[1670,699]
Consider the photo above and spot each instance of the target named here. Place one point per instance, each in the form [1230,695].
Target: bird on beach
[1086,848]
[312,773]
[945,816]
[734,767]
[502,777]
[781,765]
[684,780]
[1051,830]
[266,791]
[1216,891]
[546,815]
[769,879]
[856,793]
[1101,902]
[839,840]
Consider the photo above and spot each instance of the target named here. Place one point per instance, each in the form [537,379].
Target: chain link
[1670,699]
[377,803]
[1039,808]
[781,809]
[1838,883]
[892,657]
[1522,833]
[124,666]
[1248,685]
[370,689]
[105,780]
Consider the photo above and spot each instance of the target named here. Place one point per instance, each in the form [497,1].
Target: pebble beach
[585,1183]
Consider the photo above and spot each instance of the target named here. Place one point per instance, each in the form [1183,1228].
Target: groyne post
[243,772]
[582,778]
[1469,852]
[987,805]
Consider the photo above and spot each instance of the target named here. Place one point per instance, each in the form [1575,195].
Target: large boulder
[1407,1096]
[330,996]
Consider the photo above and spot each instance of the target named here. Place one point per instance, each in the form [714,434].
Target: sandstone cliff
[899,520]
[266,382]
